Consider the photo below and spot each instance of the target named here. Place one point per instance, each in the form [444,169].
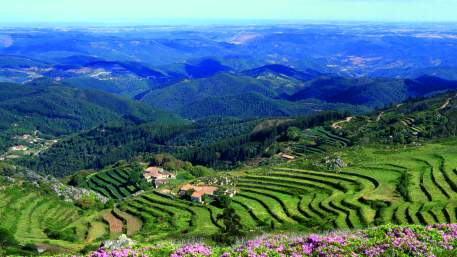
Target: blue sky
[157,11]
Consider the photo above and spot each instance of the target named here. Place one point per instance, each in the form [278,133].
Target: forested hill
[278,90]
[406,123]
[56,110]
[225,142]
[218,142]
[369,92]
[413,122]
[207,88]
[228,94]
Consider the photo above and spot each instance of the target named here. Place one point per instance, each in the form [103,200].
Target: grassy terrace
[112,183]
[316,141]
[412,185]
[27,213]
[168,215]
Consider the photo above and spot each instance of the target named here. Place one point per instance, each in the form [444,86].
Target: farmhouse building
[157,176]
[197,191]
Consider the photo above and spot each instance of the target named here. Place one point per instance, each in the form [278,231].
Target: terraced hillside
[416,185]
[120,222]
[389,186]
[28,214]
[406,123]
[317,141]
[113,182]
[39,218]
[412,180]
[166,215]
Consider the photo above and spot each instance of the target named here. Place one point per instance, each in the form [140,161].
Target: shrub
[221,200]
[88,248]
[7,170]
[323,224]
[402,186]
[7,238]
[201,171]
[80,179]
[184,175]
[293,133]
[89,201]
[65,235]
[30,248]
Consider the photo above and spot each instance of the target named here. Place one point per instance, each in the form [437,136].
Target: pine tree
[232,228]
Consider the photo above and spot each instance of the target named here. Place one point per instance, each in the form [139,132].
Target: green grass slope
[417,185]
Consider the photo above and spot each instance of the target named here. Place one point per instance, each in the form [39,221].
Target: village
[199,191]
[27,145]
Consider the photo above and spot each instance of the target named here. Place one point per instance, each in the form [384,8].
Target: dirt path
[379,116]
[115,225]
[337,125]
[447,102]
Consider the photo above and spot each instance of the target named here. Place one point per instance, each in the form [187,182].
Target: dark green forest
[217,142]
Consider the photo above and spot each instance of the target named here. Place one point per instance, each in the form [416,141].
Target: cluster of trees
[59,234]
[186,170]
[232,230]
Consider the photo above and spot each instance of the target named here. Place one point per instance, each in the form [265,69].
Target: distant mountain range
[373,50]
[208,88]
[276,90]
[248,72]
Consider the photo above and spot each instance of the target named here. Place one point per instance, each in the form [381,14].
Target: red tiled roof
[199,190]
[155,172]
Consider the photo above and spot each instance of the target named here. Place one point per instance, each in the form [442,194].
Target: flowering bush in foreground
[192,250]
[389,240]
[116,253]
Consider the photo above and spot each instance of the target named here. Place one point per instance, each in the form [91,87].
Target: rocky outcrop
[66,192]
[121,243]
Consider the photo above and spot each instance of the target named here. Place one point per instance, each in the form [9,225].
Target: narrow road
[337,125]
[379,116]
[447,102]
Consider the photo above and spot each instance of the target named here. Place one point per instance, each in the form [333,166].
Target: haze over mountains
[279,70]
[355,49]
